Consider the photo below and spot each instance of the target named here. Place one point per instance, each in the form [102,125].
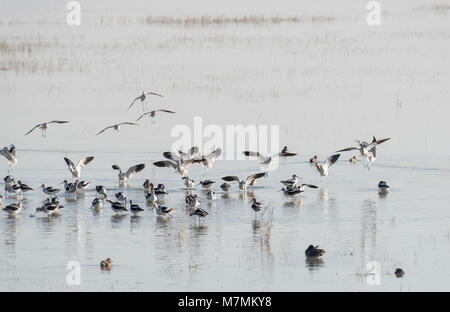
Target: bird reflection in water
[313,264]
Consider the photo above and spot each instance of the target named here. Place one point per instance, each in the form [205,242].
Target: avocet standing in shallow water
[13,209]
[383,186]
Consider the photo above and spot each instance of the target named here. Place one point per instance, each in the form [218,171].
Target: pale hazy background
[326,79]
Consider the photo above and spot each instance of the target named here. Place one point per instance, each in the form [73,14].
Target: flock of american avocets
[179,162]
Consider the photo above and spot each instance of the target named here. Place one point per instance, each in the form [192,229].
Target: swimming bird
[160,189]
[44,126]
[225,187]
[49,190]
[265,160]
[130,172]
[353,160]
[164,211]
[106,264]
[188,182]
[23,187]
[368,151]
[291,182]
[314,159]
[151,197]
[143,98]
[101,191]
[211,195]
[256,206]
[383,186]
[293,191]
[76,170]
[10,154]
[153,113]
[121,197]
[13,209]
[323,166]
[399,272]
[314,252]
[285,153]
[207,184]
[243,184]
[208,160]
[97,203]
[117,207]
[180,165]
[201,213]
[134,208]
[117,126]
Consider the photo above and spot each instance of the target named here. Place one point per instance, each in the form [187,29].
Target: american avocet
[180,165]
[23,187]
[207,184]
[208,160]
[13,209]
[243,184]
[225,187]
[143,98]
[353,160]
[256,206]
[152,113]
[323,166]
[211,195]
[121,197]
[106,264]
[191,154]
[49,190]
[146,185]
[117,126]
[135,208]
[367,150]
[13,189]
[83,185]
[265,160]
[124,176]
[399,272]
[200,213]
[285,153]
[164,211]
[97,203]
[117,207]
[101,191]
[314,159]
[188,182]
[161,189]
[193,201]
[44,126]
[50,207]
[76,170]
[151,197]
[9,180]
[291,182]
[10,155]
[293,191]
[314,252]
[383,186]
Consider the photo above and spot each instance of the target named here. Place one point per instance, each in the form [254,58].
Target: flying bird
[44,126]
[180,165]
[368,151]
[251,180]
[123,176]
[153,113]
[208,160]
[323,166]
[76,170]
[143,98]
[265,160]
[117,126]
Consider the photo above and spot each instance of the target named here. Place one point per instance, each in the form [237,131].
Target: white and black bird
[44,126]
[188,182]
[256,206]
[190,154]
[76,170]
[13,209]
[285,153]
[265,160]
[179,166]
[135,208]
[161,189]
[49,190]
[13,189]
[50,207]
[383,186]
[208,160]
[207,184]
[143,98]
[23,187]
[146,185]
[164,211]
[151,196]
[101,191]
[200,213]
[152,113]
[97,204]
[225,187]
[9,180]
[293,182]
[293,191]
[193,201]
[117,126]
[121,196]
[10,154]
[124,176]
[211,195]
[83,185]
[117,207]
[367,150]
[243,184]
[323,166]
[314,252]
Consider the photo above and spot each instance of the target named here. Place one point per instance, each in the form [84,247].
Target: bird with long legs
[367,150]
[243,184]
[143,98]
[44,126]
